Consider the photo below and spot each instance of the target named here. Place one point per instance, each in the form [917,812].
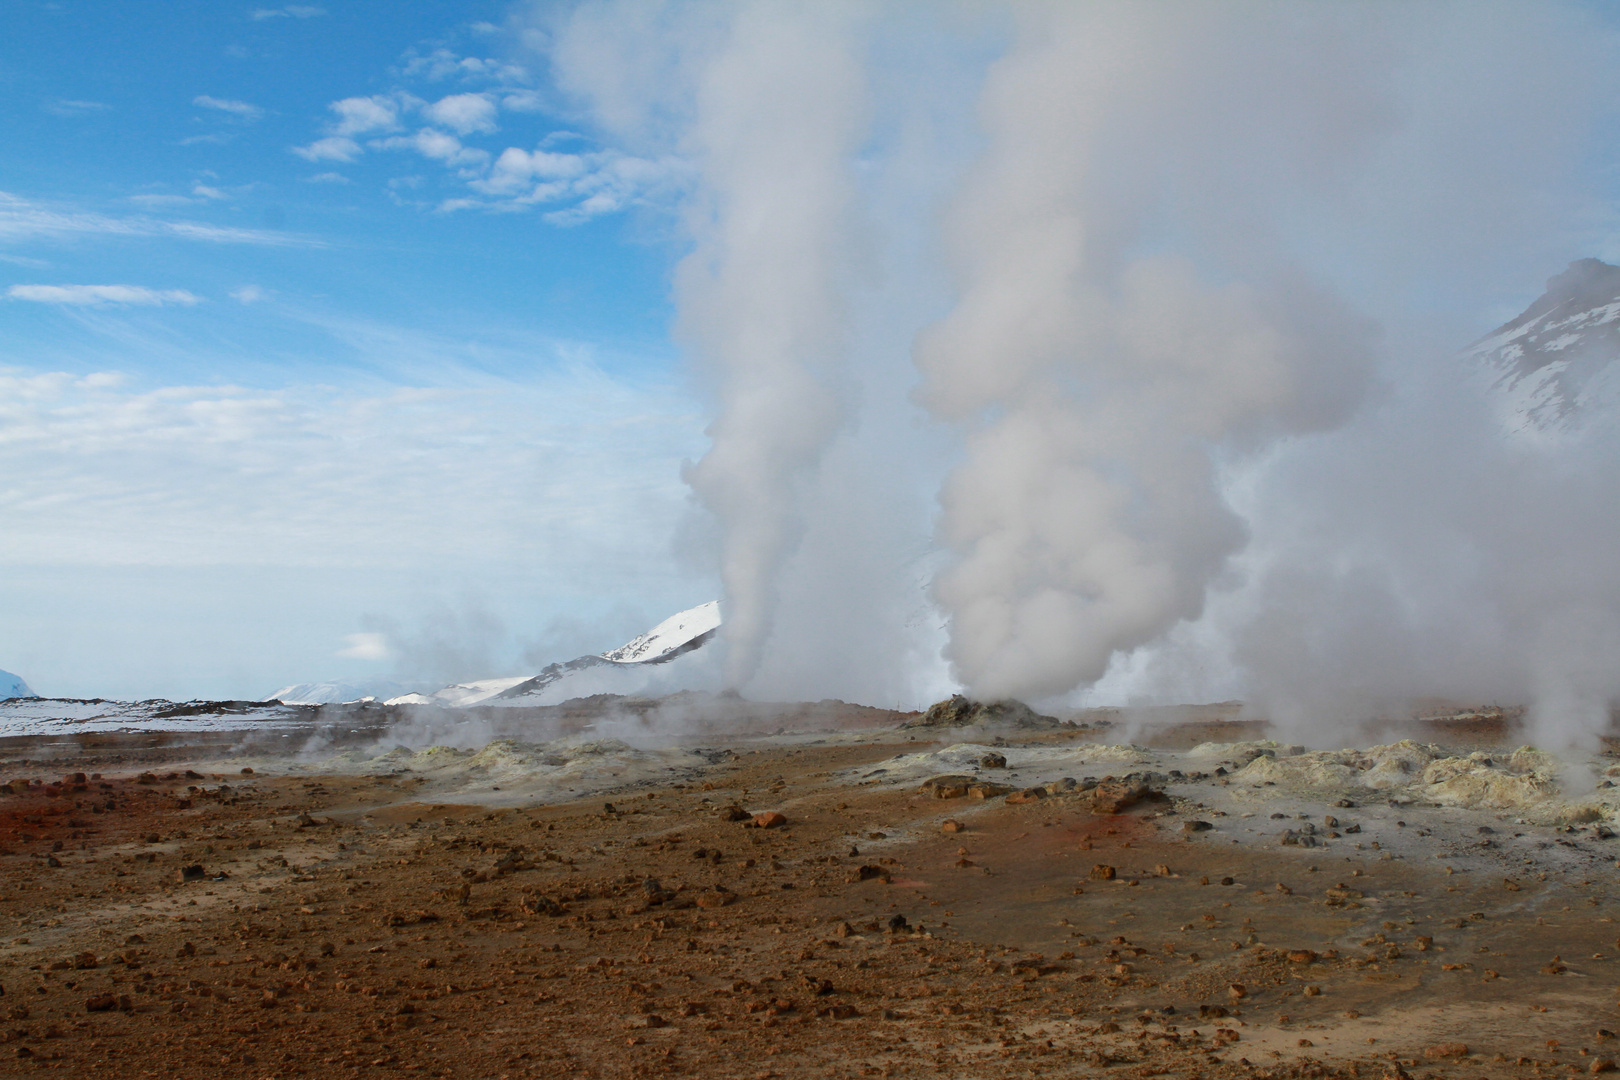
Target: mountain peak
[1557,357]
[12,686]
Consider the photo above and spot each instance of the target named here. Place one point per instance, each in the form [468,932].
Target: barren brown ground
[348,926]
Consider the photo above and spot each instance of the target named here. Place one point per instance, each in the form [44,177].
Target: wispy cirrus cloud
[290,11]
[25,218]
[100,295]
[241,109]
[65,107]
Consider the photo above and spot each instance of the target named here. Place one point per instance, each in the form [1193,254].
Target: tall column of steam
[1098,391]
[779,111]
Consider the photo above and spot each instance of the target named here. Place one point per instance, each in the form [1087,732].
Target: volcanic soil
[205,921]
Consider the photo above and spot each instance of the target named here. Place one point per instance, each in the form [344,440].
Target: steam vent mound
[959,711]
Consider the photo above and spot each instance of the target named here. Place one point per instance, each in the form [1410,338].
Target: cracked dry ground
[363,929]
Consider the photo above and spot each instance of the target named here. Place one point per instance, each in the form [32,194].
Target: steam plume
[1097,388]
[1209,266]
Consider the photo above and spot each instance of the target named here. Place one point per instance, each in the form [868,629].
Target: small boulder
[1447,1050]
[770,819]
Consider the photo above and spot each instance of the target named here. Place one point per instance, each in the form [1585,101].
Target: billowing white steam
[1208,268]
[1099,388]
[773,106]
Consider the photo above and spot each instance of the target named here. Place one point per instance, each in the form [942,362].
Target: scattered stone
[717,897]
[993,760]
[1116,797]
[948,786]
[1103,872]
[735,813]
[1028,795]
[770,819]
[1447,1050]
[951,825]
[1196,826]
[193,872]
[870,873]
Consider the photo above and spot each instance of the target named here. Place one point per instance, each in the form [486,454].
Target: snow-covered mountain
[332,693]
[640,665]
[652,662]
[12,686]
[1557,361]
[670,638]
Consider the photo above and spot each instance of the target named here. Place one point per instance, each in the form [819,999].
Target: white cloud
[358,115]
[249,294]
[524,101]
[364,647]
[355,116]
[203,191]
[21,218]
[463,113]
[235,108]
[291,11]
[575,472]
[80,295]
[435,145]
[331,148]
[595,183]
[443,64]
[83,295]
[328,178]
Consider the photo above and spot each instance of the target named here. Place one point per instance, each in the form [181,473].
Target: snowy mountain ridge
[625,670]
[622,669]
[1556,360]
[677,634]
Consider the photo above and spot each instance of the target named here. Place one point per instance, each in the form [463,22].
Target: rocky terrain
[874,901]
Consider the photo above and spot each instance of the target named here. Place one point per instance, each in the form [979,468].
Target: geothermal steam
[1208,269]
[1098,389]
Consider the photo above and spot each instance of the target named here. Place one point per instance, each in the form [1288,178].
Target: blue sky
[281,330]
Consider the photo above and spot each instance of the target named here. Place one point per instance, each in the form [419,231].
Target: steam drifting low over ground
[1130,335]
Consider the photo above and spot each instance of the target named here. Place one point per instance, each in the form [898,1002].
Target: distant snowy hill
[1557,360]
[333,693]
[661,660]
[12,686]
